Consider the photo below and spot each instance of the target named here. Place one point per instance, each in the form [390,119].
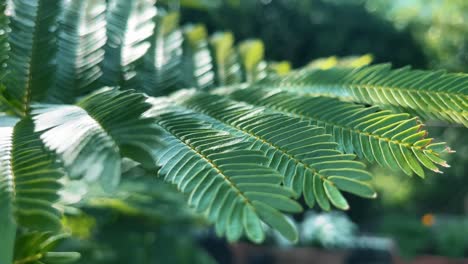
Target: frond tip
[392,140]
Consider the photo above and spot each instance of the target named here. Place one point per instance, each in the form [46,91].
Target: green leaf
[252,225]
[412,162]
[319,193]
[359,175]
[276,220]
[353,186]
[234,232]
[272,188]
[335,196]
[279,202]
[309,196]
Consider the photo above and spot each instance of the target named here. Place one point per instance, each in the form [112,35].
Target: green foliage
[436,95]
[129,25]
[31,70]
[282,138]
[79,49]
[251,53]
[197,62]
[392,140]
[231,185]
[159,74]
[102,119]
[240,155]
[226,59]
[28,183]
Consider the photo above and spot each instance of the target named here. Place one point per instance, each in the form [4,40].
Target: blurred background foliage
[422,33]
[423,216]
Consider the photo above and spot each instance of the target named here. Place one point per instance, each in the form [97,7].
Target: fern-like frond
[161,72]
[392,140]
[33,47]
[81,38]
[226,60]
[130,24]
[37,248]
[252,58]
[28,183]
[93,135]
[197,63]
[230,184]
[303,153]
[436,94]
